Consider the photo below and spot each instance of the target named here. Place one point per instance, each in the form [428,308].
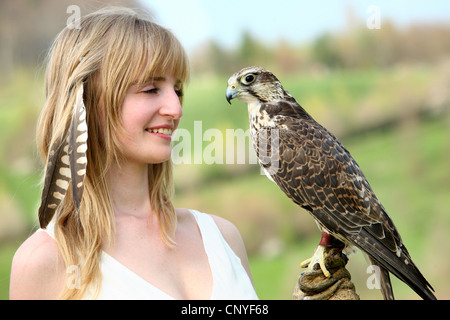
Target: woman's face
[150,114]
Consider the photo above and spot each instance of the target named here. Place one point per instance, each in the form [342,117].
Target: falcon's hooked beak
[232,93]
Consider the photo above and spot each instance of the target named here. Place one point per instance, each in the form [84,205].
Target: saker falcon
[318,173]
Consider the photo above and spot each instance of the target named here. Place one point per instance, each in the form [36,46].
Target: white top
[230,280]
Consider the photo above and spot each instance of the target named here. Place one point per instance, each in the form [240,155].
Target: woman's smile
[162,132]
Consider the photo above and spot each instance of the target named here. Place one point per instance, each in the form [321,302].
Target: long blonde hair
[111,50]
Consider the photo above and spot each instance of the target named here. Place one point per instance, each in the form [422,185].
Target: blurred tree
[288,58]
[219,58]
[248,49]
[356,47]
[387,45]
[27,28]
[360,47]
[252,52]
[325,51]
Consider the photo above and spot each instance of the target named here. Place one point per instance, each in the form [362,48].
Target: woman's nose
[172,106]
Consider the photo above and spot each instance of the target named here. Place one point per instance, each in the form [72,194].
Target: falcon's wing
[319,174]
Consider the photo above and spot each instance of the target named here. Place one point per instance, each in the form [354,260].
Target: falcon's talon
[318,257]
[304,264]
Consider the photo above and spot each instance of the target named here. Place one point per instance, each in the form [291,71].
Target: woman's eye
[152,90]
[179,92]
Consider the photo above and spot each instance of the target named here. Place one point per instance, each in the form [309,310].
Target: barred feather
[57,178]
[66,159]
[78,142]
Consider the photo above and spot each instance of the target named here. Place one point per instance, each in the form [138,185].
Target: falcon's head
[255,85]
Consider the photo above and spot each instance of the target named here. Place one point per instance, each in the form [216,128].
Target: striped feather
[56,182]
[78,141]
[66,162]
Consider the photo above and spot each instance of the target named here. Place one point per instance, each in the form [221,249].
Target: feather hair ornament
[67,161]
[78,136]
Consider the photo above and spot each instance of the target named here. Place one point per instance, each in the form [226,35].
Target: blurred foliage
[354,48]
[384,93]
[28,27]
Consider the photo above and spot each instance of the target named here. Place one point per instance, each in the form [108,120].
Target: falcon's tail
[402,267]
[385,281]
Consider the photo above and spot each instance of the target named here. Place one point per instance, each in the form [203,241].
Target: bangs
[160,54]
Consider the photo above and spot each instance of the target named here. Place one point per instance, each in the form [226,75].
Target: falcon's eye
[248,79]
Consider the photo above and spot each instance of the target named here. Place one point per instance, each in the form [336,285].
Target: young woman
[120,236]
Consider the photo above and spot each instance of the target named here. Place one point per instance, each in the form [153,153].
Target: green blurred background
[383,92]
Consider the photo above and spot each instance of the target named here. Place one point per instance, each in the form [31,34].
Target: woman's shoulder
[232,236]
[228,230]
[37,252]
[37,268]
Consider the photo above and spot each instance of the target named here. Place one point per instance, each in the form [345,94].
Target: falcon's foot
[317,258]
[327,241]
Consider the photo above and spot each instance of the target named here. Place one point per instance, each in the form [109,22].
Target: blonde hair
[112,49]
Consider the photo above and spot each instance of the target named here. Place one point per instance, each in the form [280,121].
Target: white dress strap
[230,277]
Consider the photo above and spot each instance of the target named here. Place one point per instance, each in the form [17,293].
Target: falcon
[311,166]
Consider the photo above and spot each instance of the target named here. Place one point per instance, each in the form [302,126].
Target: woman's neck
[129,189]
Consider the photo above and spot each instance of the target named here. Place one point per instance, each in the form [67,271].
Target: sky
[196,21]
